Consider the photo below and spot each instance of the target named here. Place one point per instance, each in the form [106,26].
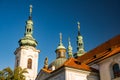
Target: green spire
[80,43]
[29,24]
[28,39]
[69,49]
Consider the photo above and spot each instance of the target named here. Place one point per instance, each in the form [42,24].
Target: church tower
[27,54]
[60,56]
[80,43]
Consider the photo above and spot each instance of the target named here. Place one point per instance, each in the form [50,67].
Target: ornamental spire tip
[31,10]
[60,38]
[69,41]
[78,27]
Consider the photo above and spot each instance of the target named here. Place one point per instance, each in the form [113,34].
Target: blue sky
[100,21]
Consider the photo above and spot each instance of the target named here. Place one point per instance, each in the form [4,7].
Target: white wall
[105,67]
[24,53]
[55,75]
[66,73]
[75,74]
[60,75]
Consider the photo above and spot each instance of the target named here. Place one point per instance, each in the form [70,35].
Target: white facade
[106,67]
[67,73]
[23,54]
[77,74]
[55,75]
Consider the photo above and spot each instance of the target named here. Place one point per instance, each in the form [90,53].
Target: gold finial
[78,25]
[31,10]
[60,38]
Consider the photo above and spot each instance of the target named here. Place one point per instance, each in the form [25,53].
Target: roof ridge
[68,61]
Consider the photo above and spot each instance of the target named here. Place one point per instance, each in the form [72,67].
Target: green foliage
[16,74]
[2,75]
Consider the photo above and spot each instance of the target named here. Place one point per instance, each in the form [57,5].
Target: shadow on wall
[93,76]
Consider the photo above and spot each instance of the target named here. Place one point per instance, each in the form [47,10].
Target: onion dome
[60,55]
[60,46]
[28,39]
[57,63]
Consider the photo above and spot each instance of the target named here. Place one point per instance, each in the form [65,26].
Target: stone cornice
[26,47]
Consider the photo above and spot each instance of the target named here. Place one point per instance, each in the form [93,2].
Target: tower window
[29,64]
[28,30]
[116,70]
[17,63]
[80,44]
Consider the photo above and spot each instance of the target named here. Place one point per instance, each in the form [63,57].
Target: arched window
[27,30]
[17,63]
[30,30]
[29,64]
[116,70]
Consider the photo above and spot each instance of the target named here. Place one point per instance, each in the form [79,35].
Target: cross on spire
[78,27]
[60,38]
[31,10]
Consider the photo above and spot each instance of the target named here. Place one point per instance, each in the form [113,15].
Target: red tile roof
[74,63]
[101,52]
[46,70]
[105,50]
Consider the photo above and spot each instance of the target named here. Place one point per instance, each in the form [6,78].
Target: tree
[2,75]
[16,74]
[19,73]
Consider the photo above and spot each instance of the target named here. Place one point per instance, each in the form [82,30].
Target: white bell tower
[27,54]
